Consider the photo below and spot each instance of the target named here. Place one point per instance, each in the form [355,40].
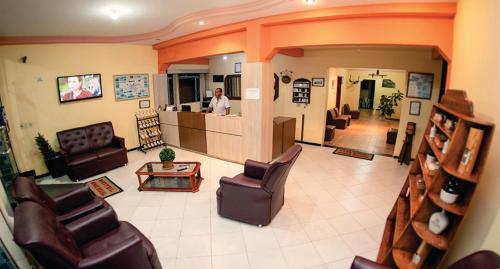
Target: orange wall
[426,25]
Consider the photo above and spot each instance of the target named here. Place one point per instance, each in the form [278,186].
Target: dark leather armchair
[97,240]
[347,111]
[67,207]
[483,259]
[339,121]
[257,195]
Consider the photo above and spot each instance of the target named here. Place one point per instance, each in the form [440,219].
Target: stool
[392,133]
[329,132]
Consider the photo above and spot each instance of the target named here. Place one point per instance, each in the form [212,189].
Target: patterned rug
[353,153]
[103,187]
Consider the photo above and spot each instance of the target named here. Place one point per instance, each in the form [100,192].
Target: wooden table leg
[140,183]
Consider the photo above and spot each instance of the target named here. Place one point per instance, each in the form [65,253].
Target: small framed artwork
[415,108]
[318,82]
[237,68]
[144,104]
[420,85]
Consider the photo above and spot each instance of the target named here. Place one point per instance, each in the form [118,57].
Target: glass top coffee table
[153,177]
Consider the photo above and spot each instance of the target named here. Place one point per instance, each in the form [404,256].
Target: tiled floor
[368,134]
[335,208]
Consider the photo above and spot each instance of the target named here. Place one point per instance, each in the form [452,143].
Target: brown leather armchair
[347,111]
[257,195]
[97,240]
[483,259]
[339,121]
[67,207]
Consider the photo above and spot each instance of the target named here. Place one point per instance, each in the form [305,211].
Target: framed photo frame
[415,108]
[144,104]
[420,85]
[318,82]
[237,68]
[131,86]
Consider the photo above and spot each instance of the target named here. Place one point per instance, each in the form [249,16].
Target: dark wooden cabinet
[192,134]
[283,134]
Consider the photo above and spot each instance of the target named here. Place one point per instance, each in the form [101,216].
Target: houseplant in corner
[167,157]
[387,104]
[53,160]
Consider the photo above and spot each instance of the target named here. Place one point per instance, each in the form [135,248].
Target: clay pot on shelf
[168,165]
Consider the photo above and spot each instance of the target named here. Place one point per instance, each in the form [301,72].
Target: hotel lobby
[167,134]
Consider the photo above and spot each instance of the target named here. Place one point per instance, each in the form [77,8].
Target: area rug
[353,153]
[103,187]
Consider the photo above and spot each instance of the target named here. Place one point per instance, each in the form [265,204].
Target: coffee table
[157,178]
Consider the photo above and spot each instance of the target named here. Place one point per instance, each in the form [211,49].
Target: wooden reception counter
[218,136]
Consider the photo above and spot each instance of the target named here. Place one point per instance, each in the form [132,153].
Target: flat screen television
[79,87]
[218,78]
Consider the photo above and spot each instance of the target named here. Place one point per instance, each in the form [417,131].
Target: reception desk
[217,136]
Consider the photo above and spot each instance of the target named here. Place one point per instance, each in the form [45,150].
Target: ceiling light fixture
[224,57]
[201,23]
[115,12]
[310,2]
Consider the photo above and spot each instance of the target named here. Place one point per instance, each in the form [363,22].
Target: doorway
[367,94]
[339,92]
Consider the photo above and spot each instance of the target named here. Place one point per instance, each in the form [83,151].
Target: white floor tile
[332,249]
[301,256]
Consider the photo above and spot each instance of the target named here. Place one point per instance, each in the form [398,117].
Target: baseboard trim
[308,143]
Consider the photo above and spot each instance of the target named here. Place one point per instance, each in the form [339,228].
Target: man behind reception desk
[219,103]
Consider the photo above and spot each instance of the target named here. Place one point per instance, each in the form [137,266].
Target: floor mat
[353,153]
[104,187]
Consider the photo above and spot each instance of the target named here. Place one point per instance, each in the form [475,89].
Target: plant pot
[56,166]
[168,165]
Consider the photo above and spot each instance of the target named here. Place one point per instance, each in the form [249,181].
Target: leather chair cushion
[108,151]
[73,141]
[25,190]
[116,237]
[82,158]
[100,135]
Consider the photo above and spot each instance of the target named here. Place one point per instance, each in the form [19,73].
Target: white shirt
[219,105]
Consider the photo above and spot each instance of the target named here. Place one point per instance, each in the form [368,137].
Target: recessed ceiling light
[115,12]
[310,2]
[224,57]
[201,23]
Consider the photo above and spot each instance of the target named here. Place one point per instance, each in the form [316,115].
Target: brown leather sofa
[483,259]
[67,207]
[346,110]
[257,195]
[339,121]
[97,240]
[91,150]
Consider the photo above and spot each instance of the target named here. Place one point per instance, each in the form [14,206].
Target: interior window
[170,89]
[232,85]
[189,88]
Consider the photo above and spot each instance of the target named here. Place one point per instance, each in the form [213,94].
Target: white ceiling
[146,21]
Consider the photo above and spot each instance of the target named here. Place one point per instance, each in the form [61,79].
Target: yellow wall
[317,63]
[28,100]
[475,68]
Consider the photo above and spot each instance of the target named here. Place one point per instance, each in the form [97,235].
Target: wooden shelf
[401,217]
[434,148]
[435,240]
[457,209]
[448,168]
[415,197]
[443,129]
[428,178]
[402,258]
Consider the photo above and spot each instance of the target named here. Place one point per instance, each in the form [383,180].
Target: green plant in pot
[388,103]
[167,157]
[53,160]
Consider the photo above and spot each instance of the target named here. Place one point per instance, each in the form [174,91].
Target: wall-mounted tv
[79,87]
[218,78]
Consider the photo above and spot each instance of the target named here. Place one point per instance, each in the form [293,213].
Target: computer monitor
[186,108]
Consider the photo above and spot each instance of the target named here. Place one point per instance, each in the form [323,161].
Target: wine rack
[148,130]
[422,225]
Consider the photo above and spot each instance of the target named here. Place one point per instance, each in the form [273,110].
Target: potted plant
[53,160]
[167,156]
[387,104]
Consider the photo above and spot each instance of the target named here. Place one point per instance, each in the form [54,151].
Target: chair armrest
[65,155]
[128,254]
[241,181]
[255,169]
[73,198]
[362,263]
[118,141]
[93,225]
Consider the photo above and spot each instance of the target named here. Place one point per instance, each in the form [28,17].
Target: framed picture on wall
[318,82]
[420,85]
[132,86]
[415,108]
[237,68]
[144,104]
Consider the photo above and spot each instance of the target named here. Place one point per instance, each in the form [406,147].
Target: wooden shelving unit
[301,91]
[148,130]
[407,225]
